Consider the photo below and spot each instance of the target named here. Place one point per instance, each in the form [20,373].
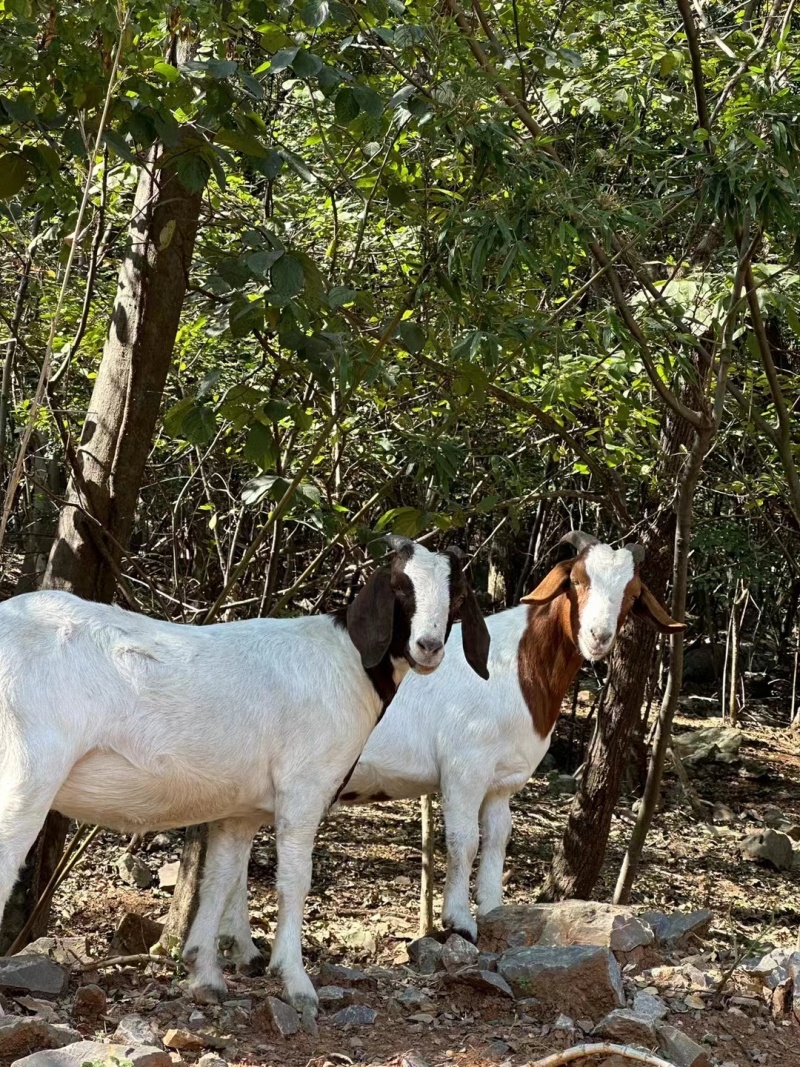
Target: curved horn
[579,540]
[637,551]
[397,543]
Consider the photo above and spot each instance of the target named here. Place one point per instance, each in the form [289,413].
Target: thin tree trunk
[186,895]
[426,881]
[107,470]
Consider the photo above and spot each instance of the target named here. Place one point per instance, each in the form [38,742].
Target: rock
[36,974]
[561,784]
[680,1048]
[20,1035]
[414,1000]
[488,982]
[97,1052]
[158,843]
[282,1018]
[43,1008]
[487,961]
[769,846]
[184,1040]
[412,1059]
[457,952]
[723,814]
[497,1050]
[584,980]
[335,974]
[211,1059]
[672,928]
[649,1006]
[168,875]
[627,1027]
[717,744]
[424,954]
[423,1017]
[355,1015]
[134,871]
[67,950]
[90,1002]
[703,663]
[136,934]
[568,922]
[134,1030]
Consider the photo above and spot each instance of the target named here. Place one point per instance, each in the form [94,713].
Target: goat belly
[107,789]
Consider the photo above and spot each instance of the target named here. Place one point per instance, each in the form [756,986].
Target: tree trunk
[186,895]
[95,524]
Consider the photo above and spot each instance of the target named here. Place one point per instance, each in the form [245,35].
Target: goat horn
[637,551]
[396,542]
[579,540]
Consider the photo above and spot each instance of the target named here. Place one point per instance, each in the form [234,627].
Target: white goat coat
[140,724]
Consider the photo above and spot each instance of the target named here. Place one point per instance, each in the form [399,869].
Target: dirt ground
[363,910]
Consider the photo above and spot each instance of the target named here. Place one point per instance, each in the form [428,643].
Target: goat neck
[548,661]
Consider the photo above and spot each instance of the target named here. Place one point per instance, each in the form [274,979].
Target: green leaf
[167,71]
[341,295]
[173,418]
[346,106]
[412,336]
[242,142]
[193,170]
[13,172]
[407,522]
[199,424]
[282,59]
[287,277]
[368,101]
[260,262]
[259,446]
[245,316]
[306,64]
[315,13]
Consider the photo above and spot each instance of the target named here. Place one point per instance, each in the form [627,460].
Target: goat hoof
[253,968]
[468,935]
[209,994]
[306,1007]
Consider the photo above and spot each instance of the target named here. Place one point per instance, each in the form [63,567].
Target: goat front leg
[297,818]
[495,821]
[227,852]
[461,807]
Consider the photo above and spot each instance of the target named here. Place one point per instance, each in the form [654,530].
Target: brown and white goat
[479,743]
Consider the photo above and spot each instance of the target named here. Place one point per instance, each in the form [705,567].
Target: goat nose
[602,637]
[430,644]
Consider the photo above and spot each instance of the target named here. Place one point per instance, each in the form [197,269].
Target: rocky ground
[704,989]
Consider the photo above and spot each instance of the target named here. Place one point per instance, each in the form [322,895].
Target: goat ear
[475,637]
[551,585]
[370,619]
[650,609]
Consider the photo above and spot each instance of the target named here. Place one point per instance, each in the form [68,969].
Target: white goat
[479,744]
[136,724]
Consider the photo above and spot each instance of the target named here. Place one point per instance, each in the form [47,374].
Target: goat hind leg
[495,834]
[235,927]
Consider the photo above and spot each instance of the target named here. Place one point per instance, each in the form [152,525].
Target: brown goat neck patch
[548,662]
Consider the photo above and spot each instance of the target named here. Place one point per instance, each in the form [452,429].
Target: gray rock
[20,1035]
[133,871]
[584,980]
[424,954]
[488,982]
[680,1048]
[568,922]
[457,953]
[350,977]
[283,1019]
[670,928]
[414,999]
[711,744]
[769,846]
[61,949]
[136,934]
[168,875]
[561,784]
[627,1027]
[650,1006]
[211,1059]
[34,974]
[97,1052]
[334,996]
[487,961]
[134,1030]
[355,1015]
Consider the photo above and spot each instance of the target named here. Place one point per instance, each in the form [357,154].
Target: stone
[335,974]
[497,1050]
[211,1059]
[355,1015]
[584,980]
[671,928]
[487,961]
[20,1035]
[710,744]
[769,846]
[35,974]
[134,871]
[457,952]
[136,934]
[627,1027]
[97,1052]
[168,875]
[43,1008]
[424,954]
[561,784]
[414,999]
[423,1017]
[282,1018]
[67,950]
[134,1030]
[680,1048]
[488,982]
[650,1006]
[567,922]
[90,1002]
[184,1040]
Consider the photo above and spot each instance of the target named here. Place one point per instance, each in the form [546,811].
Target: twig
[122,961]
[581,1052]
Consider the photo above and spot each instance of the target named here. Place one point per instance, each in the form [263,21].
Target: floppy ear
[370,619]
[650,609]
[475,637]
[551,585]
